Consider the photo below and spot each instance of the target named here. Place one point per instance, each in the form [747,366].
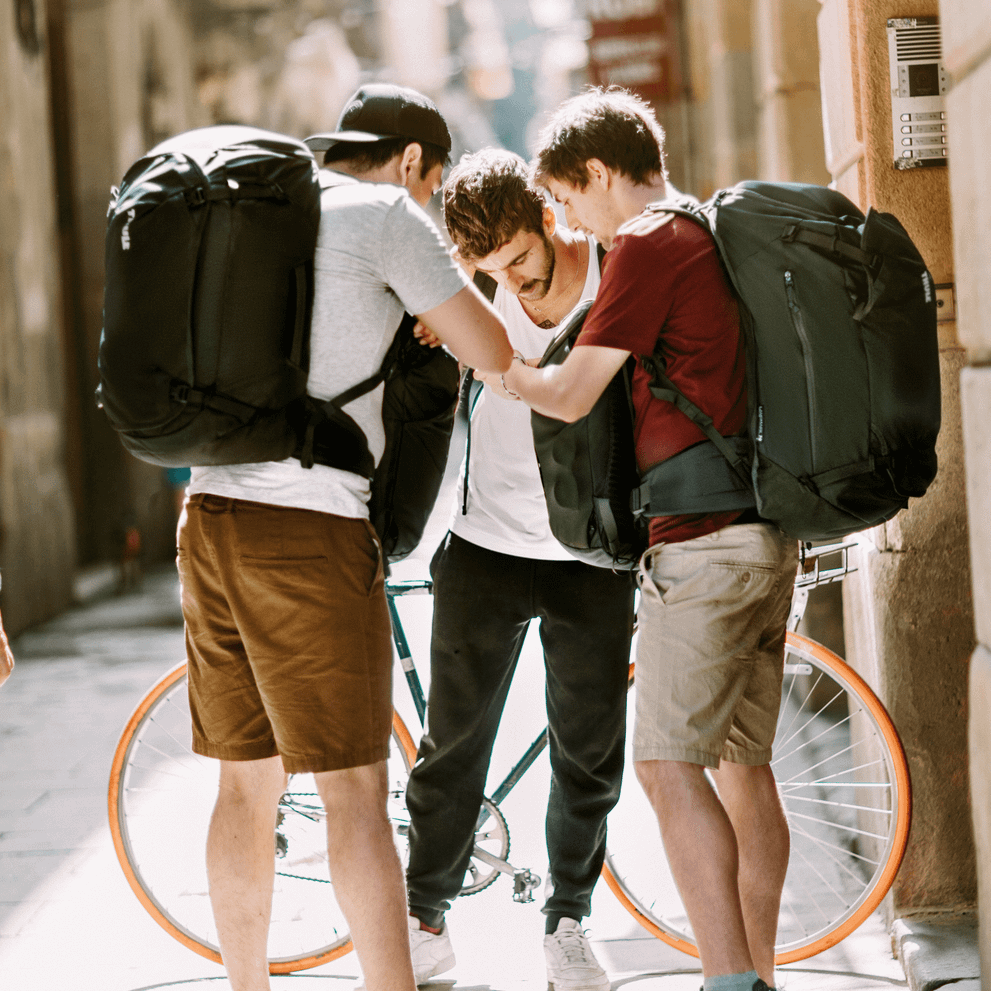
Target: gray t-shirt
[378,254]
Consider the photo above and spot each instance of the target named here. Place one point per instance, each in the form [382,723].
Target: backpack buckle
[179,392]
[195,196]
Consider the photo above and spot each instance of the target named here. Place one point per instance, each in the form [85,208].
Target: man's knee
[259,782]
[358,791]
[664,780]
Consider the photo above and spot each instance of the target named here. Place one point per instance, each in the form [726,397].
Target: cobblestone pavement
[69,921]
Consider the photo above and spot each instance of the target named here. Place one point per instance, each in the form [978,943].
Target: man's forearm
[542,389]
[567,391]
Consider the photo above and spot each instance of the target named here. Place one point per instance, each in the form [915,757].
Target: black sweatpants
[483,603]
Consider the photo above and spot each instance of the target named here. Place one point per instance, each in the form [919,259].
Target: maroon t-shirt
[662,282]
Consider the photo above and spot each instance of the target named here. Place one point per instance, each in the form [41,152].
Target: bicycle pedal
[523,884]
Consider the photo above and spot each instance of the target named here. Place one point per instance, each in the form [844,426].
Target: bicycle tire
[835,741]
[160,798]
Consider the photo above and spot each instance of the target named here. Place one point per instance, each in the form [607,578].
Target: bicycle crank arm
[524,881]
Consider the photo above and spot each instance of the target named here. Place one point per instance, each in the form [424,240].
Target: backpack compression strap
[699,479]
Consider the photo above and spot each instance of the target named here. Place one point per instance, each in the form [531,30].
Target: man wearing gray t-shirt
[287,627]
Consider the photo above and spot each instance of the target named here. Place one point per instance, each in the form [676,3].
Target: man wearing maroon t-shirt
[715,587]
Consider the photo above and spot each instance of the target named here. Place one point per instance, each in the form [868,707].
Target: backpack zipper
[799,323]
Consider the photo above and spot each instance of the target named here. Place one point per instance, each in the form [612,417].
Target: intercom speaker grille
[917,43]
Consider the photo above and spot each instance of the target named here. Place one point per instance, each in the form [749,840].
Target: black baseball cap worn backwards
[380,111]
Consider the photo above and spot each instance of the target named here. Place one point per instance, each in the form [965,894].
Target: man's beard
[543,284]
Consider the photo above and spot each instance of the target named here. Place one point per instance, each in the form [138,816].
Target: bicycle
[838,760]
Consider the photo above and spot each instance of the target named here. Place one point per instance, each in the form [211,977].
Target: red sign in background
[634,44]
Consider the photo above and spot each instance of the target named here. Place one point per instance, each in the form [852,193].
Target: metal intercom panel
[918,92]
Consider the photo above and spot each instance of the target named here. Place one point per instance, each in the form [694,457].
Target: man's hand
[426,336]
[494,381]
[6,657]
[567,391]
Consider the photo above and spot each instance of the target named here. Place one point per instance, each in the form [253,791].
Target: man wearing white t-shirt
[499,568]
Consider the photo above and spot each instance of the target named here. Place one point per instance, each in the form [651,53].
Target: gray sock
[731,982]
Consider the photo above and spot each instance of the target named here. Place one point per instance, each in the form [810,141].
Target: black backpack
[418,405]
[209,247]
[588,468]
[204,354]
[838,312]
[839,320]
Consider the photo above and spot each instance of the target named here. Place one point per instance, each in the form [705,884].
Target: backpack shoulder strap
[661,387]
[319,412]
[471,390]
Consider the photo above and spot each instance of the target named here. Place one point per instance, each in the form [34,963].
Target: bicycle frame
[811,573]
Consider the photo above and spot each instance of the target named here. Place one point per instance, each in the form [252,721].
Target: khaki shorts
[287,635]
[710,655]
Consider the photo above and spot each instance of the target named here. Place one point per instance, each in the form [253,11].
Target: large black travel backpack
[839,320]
[838,313]
[209,248]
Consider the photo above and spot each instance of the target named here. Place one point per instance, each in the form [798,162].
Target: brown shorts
[287,635]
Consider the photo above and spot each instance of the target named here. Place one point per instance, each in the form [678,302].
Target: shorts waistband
[218,503]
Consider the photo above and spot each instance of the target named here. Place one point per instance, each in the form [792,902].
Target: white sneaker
[432,953]
[571,965]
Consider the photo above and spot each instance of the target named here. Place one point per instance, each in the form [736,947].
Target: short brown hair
[368,155]
[488,199]
[612,125]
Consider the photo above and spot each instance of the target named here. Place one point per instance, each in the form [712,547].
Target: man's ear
[599,173]
[549,220]
[411,160]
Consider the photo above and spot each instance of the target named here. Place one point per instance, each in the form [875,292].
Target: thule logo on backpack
[927,286]
[125,234]
[760,424]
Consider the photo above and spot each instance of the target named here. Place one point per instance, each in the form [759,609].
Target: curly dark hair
[488,199]
[612,125]
[367,155]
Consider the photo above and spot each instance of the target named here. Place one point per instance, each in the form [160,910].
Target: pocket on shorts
[371,554]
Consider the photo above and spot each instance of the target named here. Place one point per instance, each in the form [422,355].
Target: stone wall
[37,529]
[967,54]
[908,610]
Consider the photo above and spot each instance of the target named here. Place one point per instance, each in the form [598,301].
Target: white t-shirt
[506,509]
[378,254]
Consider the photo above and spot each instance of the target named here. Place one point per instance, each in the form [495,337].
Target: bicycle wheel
[160,799]
[844,783]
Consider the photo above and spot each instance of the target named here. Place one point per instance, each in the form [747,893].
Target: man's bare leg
[368,879]
[240,857]
[702,852]
[750,797]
